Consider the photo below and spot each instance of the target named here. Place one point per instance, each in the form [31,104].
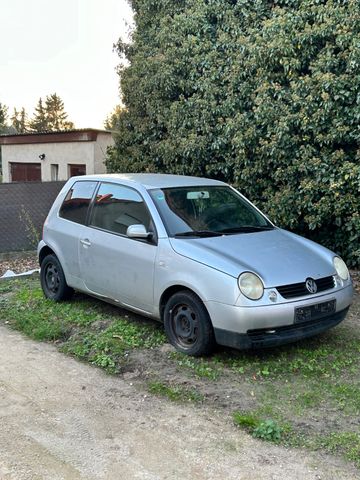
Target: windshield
[207,211]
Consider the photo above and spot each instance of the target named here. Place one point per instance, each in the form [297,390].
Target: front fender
[209,284]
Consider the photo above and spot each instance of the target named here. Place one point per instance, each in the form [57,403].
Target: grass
[175,393]
[304,395]
[344,443]
[83,327]
[306,390]
[347,443]
[6,286]
[201,367]
[308,359]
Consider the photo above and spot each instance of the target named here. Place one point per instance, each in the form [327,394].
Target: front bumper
[271,325]
[261,338]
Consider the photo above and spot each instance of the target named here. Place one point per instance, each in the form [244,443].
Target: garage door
[75,170]
[25,172]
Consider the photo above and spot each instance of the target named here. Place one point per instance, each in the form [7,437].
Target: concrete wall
[103,141]
[56,153]
[92,154]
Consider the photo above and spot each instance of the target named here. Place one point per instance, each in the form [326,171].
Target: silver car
[194,254]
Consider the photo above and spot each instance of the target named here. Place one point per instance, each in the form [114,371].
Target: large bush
[263,94]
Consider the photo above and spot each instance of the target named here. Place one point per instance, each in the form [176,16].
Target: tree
[3,127]
[55,114]
[19,120]
[112,119]
[3,117]
[51,116]
[263,94]
[39,122]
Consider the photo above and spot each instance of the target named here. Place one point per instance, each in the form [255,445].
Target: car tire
[53,280]
[188,325]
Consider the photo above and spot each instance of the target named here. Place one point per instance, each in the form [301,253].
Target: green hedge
[262,94]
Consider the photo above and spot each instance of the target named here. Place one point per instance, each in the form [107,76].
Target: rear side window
[77,201]
[117,207]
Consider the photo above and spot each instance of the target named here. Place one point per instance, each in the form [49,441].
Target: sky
[62,46]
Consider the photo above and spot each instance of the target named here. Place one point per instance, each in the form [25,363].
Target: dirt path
[61,419]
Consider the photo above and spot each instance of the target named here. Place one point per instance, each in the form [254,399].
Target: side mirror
[137,231]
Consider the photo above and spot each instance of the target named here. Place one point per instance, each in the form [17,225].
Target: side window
[77,201]
[117,207]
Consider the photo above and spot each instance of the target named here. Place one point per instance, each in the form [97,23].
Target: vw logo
[311,285]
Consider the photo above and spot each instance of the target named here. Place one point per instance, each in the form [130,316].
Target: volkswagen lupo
[194,254]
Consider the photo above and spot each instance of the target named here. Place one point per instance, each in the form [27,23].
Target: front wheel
[53,281]
[188,325]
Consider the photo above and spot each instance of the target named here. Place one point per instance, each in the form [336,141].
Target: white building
[53,156]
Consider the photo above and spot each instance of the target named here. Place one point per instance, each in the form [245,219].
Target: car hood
[277,256]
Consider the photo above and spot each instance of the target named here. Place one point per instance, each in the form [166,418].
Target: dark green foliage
[263,94]
[3,117]
[19,120]
[50,117]
[39,123]
[55,114]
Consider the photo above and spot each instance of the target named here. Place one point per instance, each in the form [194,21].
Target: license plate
[314,312]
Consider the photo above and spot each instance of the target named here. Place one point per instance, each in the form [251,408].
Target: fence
[23,209]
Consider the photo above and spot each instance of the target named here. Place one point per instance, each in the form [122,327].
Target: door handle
[85,242]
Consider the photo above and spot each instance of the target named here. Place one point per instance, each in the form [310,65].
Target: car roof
[154,180]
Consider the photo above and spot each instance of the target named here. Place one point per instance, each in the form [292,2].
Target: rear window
[77,201]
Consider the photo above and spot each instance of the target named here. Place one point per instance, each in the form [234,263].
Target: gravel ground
[64,420]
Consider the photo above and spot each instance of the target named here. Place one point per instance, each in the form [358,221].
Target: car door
[64,230]
[112,264]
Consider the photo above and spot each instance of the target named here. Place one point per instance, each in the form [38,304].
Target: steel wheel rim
[184,324]
[52,278]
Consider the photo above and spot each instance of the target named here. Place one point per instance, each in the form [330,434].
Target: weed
[105,361]
[268,430]
[33,233]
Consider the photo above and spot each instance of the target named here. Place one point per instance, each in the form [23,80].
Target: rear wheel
[188,325]
[53,280]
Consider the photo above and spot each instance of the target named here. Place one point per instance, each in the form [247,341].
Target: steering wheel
[215,217]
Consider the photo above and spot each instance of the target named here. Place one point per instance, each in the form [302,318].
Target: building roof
[153,180]
[79,135]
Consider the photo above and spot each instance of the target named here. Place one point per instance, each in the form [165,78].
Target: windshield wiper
[247,229]
[198,233]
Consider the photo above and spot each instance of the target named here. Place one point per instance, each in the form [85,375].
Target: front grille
[300,290]
[271,337]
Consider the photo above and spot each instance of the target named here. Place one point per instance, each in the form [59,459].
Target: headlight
[341,268]
[251,285]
